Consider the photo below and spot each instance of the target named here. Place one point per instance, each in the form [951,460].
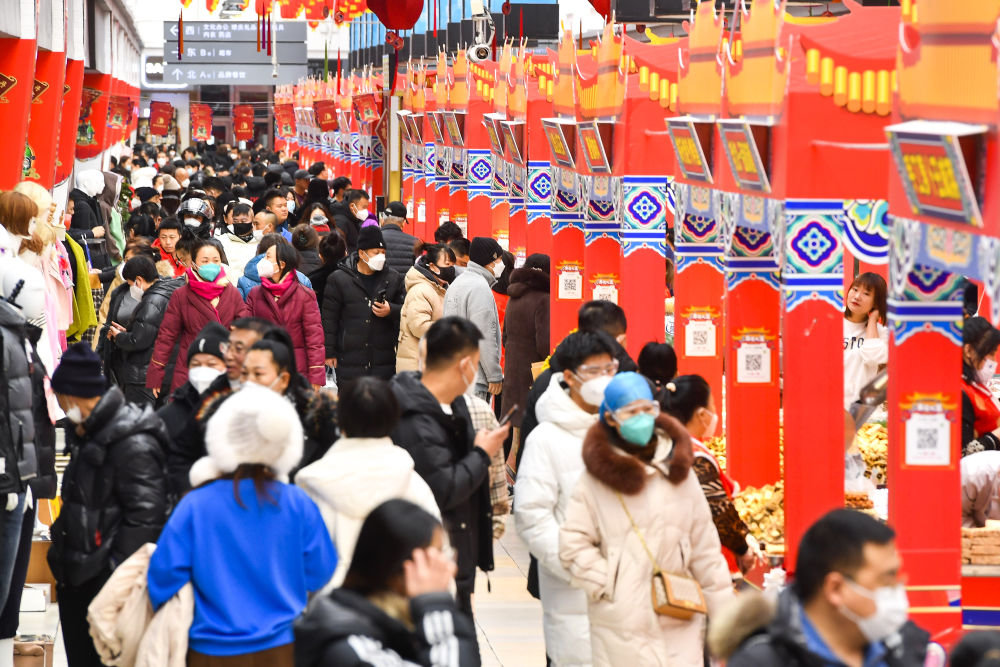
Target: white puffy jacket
[551,467]
[354,477]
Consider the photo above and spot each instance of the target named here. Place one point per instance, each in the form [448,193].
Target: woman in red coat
[208,296]
[281,299]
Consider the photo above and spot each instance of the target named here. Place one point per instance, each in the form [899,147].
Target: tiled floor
[508,620]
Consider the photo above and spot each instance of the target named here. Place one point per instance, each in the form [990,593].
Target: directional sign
[233,31]
[222,52]
[236,75]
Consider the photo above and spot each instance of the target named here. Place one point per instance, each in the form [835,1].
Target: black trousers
[73,603]
[10,616]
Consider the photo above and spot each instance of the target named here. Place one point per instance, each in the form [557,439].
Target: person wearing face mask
[207,296]
[351,216]
[114,491]
[398,244]
[847,606]
[197,214]
[546,478]
[426,282]
[305,239]
[688,399]
[206,362]
[132,345]
[277,203]
[86,227]
[980,411]
[436,429]
[251,277]
[470,297]
[317,216]
[362,303]
[636,510]
[239,241]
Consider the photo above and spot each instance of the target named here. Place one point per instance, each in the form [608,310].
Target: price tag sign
[688,149]
[933,169]
[744,159]
[928,439]
[571,284]
[753,363]
[555,134]
[593,148]
[421,211]
[492,124]
[699,338]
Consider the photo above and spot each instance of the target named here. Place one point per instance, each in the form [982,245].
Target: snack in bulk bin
[763,511]
[858,500]
[873,443]
[718,447]
[981,546]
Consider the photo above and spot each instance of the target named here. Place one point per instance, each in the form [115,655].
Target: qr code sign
[754,362]
[700,337]
[927,439]
[571,285]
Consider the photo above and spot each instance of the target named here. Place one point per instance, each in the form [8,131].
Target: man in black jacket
[398,244]
[448,454]
[114,495]
[848,605]
[350,216]
[362,302]
[135,343]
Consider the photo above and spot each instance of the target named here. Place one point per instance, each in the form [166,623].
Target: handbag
[676,595]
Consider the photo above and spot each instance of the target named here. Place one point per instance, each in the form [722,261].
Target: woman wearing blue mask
[207,296]
[637,511]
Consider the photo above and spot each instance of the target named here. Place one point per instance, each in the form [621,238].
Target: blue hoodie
[252,568]
[251,278]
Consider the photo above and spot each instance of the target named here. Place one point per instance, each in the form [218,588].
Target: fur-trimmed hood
[524,280]
[610,464]
[748,614]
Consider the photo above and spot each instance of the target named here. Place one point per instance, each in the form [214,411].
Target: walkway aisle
[509,620]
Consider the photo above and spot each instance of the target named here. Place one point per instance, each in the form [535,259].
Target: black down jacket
[114,491]
[398,248]
[346,630]
[46,483]
[134,348]
[362,343]
[456,470]
[17,423]
[86,216]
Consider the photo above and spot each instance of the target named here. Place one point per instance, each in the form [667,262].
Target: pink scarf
[278,290]
[210,291]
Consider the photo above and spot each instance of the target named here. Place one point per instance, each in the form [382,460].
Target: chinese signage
[593,148]
[492,122]
[513,133]
[932,167]
[233,31]
[689,151]
[451,124]
[435,118]
[744,159]
[555,133]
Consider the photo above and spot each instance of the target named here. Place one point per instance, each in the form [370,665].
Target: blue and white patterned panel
[430,160]
[814,255]
[337,153]
[565,204]
[866,229]
[479,172]
[932,302]
[498,182]
[538,190]
[456,175]
[645,206]
[516,177]
[355,148]
[442,167]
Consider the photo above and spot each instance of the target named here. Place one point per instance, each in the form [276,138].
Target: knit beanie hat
[623,389]
[79,373]
[484,250]
[145,194]
[318,190]
[370,237]
[209,341]
[253,425]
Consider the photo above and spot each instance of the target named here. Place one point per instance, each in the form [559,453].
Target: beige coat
[605,558]
[424,305]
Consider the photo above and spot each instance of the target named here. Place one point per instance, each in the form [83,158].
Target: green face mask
[209,271]
[638,430]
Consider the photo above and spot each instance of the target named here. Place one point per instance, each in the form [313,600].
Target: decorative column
[566,260]
[813,387]
[72,93]
[517,240]
[93,126]
[458,199]
[539,198]
[46,107]
[499,201]
[753,310]
[17,67]
[602,238]
[646,205]
[406,186]
[480,177]
[429,213]
[699,285]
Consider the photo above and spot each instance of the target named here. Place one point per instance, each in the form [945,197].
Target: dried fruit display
[763,511]
[873,443]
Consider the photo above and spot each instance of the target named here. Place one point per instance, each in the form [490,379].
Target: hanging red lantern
[603,8]
[397,14]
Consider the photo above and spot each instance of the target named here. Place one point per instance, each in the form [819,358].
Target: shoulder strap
[638,533]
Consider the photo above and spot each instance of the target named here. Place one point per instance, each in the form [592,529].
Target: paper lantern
[397,14]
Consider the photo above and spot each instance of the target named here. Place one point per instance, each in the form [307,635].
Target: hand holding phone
[506,417]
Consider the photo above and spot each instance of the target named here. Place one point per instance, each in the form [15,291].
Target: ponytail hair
[685,395]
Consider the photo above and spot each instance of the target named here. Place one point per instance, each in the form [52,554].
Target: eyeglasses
[590,372]
[635,408]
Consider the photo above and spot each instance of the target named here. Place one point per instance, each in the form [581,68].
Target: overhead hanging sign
[236,75]
[225,52]
[743,155]
[233,31]
[560,134]
[595,140]
[933,168]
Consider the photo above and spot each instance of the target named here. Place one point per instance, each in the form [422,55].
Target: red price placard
[935,177]
[491,122]
[593,149]
[558,145]
[688,149]
[743,157]
[512,133]
[435,118]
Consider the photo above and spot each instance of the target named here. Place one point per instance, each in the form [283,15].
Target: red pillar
[458,197]
[71,97]
[46,107]
[92,130]
[538,187]
[17,68]
[602,241]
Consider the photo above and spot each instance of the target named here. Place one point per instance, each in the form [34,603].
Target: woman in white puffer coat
[549,471]
[363,469]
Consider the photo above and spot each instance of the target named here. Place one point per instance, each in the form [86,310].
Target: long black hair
[685,395]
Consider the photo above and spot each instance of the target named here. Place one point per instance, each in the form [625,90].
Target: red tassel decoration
[338,69]
[270,33]
[180,36]
[435,18]
[258,33]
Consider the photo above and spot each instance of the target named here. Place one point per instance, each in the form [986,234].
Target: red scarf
[178,269]
[210,291]
[278,290]
[984,407]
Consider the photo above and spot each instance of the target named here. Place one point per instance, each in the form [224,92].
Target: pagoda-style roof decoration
[603,95]
[757,70]
[947,60]
[458,95]
[419,87]
[441,86]
[504,68]
[652,70]
[517,94]
[699,81]
[563,97]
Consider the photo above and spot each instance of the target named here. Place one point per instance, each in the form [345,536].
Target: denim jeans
[10,539]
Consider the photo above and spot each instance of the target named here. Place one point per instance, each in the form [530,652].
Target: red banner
[17,67]
[326,115]
[284,118]
[92,129]
[160,115]
[201,122]
[119,113]
[46,105]
[72,92]
[243,122]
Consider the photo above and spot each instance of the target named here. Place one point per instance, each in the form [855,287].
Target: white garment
[862,357]
[238,252]
[354,477]
[548,473]
[980,484]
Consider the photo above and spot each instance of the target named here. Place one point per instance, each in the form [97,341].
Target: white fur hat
[254,425]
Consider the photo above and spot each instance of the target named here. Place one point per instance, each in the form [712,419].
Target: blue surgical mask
[638,430]
[209,271]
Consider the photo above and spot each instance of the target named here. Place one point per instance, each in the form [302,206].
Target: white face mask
[376,262]
[202,376]
[986,373]
[592,391]
[318,220]
[192,222]
[362,214]
[291,206]
[713,424]
[161,161]
[75,415]
[258,234]
[498,269]
[136,202]
[159,188]
[135,292]
[265,268]
[468,383]
[186,182]
[891,611]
